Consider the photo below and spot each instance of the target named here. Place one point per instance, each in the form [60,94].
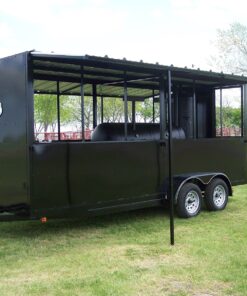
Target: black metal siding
[94,175]
[14,176]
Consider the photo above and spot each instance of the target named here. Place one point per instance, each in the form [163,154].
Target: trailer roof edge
[140,65]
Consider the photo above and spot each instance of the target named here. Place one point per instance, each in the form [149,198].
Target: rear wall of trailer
[14,158]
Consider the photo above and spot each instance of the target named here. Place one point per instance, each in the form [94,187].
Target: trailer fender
[200,179]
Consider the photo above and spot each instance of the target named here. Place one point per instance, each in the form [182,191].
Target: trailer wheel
[216,195]
[189,201]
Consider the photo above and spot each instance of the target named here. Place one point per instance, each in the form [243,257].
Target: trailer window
[228,109]
[70,117]
[45,117]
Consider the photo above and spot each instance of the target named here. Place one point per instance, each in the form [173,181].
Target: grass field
[128,254]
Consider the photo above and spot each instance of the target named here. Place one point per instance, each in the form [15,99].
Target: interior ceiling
[108,75]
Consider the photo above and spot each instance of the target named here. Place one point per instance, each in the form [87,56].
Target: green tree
[45,113]
[113,109]
[231,117]
[231,46]
[144,111]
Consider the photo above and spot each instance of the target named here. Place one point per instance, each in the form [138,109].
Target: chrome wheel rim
[219,195]
[192,202]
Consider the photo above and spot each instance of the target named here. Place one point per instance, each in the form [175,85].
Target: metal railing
[68,135]
[228,132]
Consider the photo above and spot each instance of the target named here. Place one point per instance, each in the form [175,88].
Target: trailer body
[127,171]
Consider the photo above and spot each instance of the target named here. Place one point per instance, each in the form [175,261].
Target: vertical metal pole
[176,107]
[194,111]
[58,112]
[221,115]
[162,109]
[82,107]
[133,112]
[102,108]
[170,192]
[125,108]
[242,110]
[245,111]
[153,108]
[94,105]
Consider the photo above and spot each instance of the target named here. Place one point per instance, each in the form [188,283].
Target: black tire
[186,208]
[216,195]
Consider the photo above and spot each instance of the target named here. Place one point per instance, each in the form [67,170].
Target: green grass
[128,254]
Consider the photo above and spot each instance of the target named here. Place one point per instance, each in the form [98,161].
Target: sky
[178,32]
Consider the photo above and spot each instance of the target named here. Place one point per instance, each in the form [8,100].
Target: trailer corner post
[170,191]
[82,107]
[125,108]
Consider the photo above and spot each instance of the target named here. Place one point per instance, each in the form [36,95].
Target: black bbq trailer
[182,156]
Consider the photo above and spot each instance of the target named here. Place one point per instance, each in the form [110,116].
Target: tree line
[46,117]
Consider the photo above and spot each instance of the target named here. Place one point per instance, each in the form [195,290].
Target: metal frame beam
[176,106]
[94,89]
[102,109]
[221,114]
[125,109]
[170,153]
[82,108]
[58,112]
[89,72]
[194,111]
[139,98]
[124,65]
[163,110]
[245,111]
[242,110]
[133,112]
[153,107]
[95,81]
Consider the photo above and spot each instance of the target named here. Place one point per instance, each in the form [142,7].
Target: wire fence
[71,135]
